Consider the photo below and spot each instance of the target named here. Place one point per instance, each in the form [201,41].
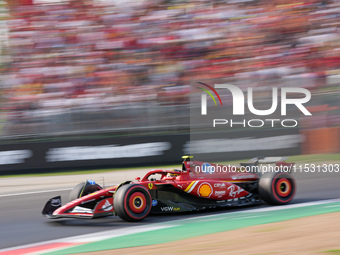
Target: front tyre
[132,202]
[277,188]
[83,189]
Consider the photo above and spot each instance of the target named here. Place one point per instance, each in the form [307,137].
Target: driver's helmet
[174,174]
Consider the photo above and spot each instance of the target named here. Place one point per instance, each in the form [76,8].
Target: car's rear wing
[278,161]
[268,160]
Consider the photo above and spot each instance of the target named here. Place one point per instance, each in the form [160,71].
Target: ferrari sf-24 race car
[168,191]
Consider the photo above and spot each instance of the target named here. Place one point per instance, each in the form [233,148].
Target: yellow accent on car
[192,183]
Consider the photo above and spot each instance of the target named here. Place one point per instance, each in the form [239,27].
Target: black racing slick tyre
[83,189]
[132,202]
[277,188]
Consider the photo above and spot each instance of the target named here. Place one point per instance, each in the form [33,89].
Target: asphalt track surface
[21,221]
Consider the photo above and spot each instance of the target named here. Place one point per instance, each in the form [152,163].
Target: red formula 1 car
[197,186]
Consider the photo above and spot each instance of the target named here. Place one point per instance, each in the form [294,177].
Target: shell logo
[205,190]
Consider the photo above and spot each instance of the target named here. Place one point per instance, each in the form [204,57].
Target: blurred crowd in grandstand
[93,56]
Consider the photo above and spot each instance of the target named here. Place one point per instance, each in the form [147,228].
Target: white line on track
[229,218]
[33,192]
[247,217]
[330,206]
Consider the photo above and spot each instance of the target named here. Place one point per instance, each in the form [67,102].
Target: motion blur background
[88,69]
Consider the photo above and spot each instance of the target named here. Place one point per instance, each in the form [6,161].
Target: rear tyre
[132,202]
[83,189]
[277,188]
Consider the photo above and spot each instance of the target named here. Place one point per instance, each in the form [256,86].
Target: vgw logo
[239,104]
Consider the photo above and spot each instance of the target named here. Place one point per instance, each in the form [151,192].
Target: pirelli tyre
[83,189]
[132,202]
[276,188]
